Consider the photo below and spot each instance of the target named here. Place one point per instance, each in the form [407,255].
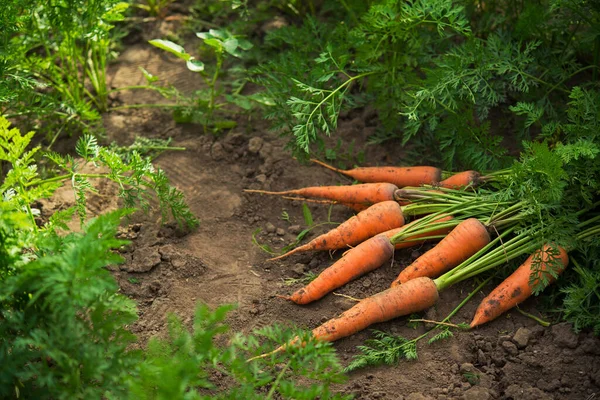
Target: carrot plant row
[481,222]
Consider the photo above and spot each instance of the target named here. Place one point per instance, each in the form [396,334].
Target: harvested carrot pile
[483,223]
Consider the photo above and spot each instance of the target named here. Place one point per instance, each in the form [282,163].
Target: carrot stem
[479,263]
[533,317]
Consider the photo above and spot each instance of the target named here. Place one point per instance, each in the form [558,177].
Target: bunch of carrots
[399,207]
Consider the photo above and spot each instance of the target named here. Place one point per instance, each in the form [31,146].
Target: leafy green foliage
[581,304]
[202,110]
[136,179]
[53,61]
[384,349]
[189,365]
[61,314]
[442,75]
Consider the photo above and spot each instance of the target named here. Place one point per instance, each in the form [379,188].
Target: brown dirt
[167,271]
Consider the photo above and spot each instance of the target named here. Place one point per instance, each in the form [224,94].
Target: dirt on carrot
[517,287]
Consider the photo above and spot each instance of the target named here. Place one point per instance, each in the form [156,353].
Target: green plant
[155,8]
[23,183]
[446,77]
[223,44]
[62,321]
[189,365]
[55,61]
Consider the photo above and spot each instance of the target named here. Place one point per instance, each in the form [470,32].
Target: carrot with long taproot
[416,295]
[399,176]
[365,257]
[366,193]
[518,287]
[466,239]
[378,218]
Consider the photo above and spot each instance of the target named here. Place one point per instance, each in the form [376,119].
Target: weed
[223,44]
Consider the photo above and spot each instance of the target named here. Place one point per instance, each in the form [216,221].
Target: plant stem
[277,380]
[157,105]
[62,178]
[533,317]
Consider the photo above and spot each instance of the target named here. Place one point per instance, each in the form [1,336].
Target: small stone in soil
[280,232]
[294,229]
[255,144]
[270,228]
[299,268]
[521,338]
[261,178]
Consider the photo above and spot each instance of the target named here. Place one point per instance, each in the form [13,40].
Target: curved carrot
[378,218]
[399,176]
[366,193]
[416,295]
[461,180]
[466,239]
[365,257]
[516,288]
[409,241]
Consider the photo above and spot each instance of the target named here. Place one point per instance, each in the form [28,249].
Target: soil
[169,271]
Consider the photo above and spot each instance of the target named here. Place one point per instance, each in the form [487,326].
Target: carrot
[416,295]
[461,180]
[466,239]
[366,193]
[409,240]
[365,257]
[378,218]
[516,288]
[399,176]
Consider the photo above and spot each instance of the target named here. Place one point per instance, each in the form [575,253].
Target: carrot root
[365,257]
[516,288]
[399,176]
[466,239]
[378,218]
[416,295]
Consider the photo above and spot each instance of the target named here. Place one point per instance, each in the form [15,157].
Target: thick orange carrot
[461,180]
[416,295]
[466,239]
[378,218]
[365,257]
[409,241]
[516,288]
[366,193]
[399,176]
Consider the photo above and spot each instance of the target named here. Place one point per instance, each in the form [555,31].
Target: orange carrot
[366,193]
[466,239]
[365,257]
[378,218]
[516,288]
[399,176]
[409,241]
[461,180]
[416,295]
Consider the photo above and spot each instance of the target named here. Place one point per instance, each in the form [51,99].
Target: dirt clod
[564,336]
